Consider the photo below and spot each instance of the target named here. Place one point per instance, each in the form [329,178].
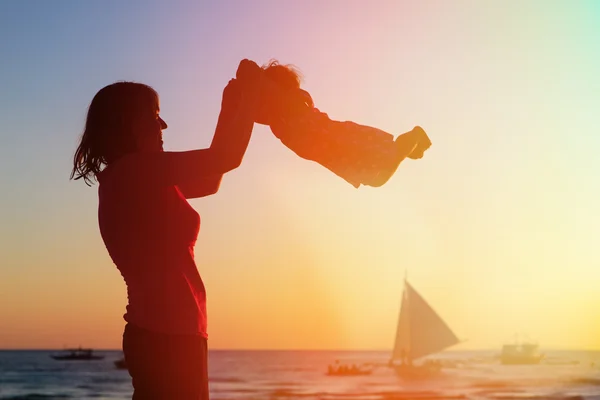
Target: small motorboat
[521,353]
[77,354]
[348,370]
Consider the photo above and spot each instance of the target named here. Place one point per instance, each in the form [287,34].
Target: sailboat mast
[402,338]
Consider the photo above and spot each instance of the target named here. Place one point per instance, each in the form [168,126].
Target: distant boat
[77,354]
[421,332]
[348,370]
[521,353]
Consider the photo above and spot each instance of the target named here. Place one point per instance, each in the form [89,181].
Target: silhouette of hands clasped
[250,77]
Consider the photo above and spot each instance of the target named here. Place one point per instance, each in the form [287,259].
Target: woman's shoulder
[122,173]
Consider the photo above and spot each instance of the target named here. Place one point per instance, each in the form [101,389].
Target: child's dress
[357,153]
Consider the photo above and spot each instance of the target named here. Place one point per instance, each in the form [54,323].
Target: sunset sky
[496,226]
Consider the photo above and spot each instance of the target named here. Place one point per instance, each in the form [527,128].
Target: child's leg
[357,153]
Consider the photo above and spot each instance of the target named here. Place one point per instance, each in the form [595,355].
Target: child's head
[286,77]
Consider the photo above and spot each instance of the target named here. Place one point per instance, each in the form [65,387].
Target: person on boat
[150,229]
[403,357]
[333,369]
[357,153]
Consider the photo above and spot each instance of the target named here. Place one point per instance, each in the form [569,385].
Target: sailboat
[421,332]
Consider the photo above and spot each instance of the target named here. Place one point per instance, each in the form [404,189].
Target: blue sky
[503,210]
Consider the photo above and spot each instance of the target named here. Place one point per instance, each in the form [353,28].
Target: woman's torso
[150,233]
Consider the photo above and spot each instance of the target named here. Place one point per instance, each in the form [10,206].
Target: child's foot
[423,143]
[407,143]
[411,144]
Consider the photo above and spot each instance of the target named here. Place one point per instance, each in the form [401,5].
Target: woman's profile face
[148,129]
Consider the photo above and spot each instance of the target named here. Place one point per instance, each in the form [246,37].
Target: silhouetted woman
[149,228]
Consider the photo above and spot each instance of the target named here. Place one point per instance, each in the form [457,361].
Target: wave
[37,396]
[585,381]
[226,380]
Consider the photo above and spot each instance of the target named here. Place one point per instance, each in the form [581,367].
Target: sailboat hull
[533,360]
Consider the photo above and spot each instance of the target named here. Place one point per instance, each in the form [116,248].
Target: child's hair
[287,75]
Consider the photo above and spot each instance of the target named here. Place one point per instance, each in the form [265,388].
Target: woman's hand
[248,71]
[250,77]
[240,96]
[232,95]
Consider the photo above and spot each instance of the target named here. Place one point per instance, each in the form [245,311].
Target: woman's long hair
[108,133]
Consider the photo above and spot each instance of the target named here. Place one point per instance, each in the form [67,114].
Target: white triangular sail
[421,331]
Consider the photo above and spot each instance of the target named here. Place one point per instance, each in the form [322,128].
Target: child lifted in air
[357,153]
